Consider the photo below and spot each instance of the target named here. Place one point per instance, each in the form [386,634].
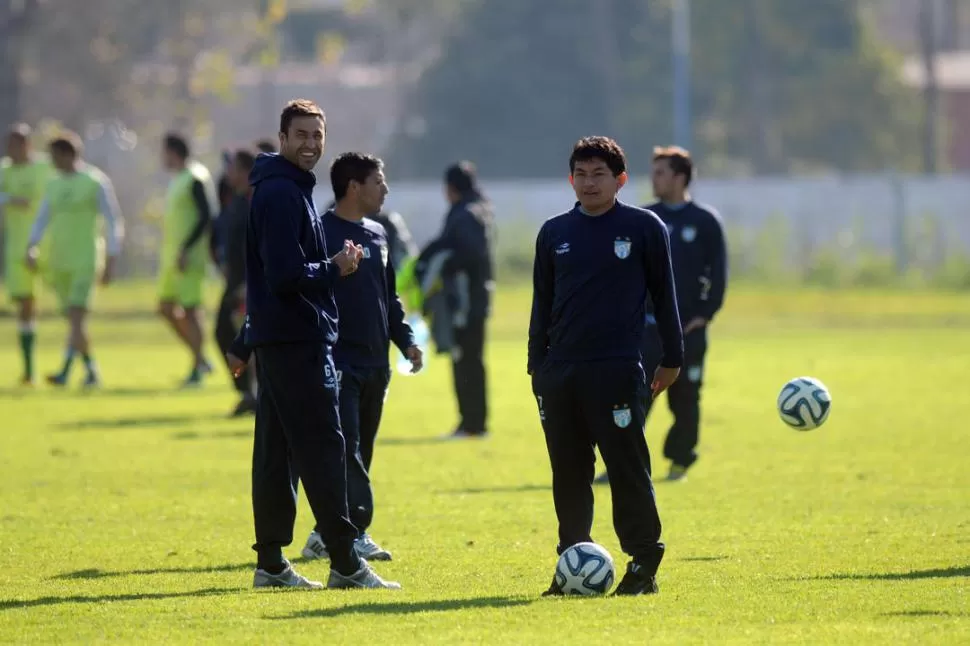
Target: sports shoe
[636,581]
[365,577]
[92,381]
[462,434]
[57,380]
[554,590]
[288,578]
[367,549]
[194,380]
[315,547]
[676,473]
[246,406]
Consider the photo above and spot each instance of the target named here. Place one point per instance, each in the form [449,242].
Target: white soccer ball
[804,403]
[585,568]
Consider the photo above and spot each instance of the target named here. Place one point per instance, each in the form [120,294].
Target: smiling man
[291,321]
[595,267]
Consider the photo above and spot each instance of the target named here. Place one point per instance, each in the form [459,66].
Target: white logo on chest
[688,234]
[622,247]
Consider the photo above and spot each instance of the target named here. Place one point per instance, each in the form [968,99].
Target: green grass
[125,515]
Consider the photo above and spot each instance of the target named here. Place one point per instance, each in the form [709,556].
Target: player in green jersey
[69,214]
[23,177]
[185,245]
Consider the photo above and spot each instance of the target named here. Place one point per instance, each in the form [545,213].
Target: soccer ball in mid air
[804,403]
[585,568]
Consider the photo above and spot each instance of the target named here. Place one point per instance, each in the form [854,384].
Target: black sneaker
[554,590]
[246,406]
[636,581]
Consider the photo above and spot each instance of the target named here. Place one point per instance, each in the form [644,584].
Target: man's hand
[32,254]
[416,357]
[695,323]
[236,365]
[109,270]
[348,258]
[663,378]
[183,260]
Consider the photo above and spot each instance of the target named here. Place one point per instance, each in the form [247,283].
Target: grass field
[125,515]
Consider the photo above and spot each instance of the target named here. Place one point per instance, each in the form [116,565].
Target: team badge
[694,374]
[366,251]
[621,247]
[688,234]
[384,255]
[622,416]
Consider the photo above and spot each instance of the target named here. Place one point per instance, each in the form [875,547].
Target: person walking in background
[188,216]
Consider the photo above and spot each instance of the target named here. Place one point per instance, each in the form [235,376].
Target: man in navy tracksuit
[594,268]
[371,316]
[699,257]
[291,322]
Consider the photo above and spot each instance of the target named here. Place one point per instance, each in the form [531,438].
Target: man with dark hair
[291,321]
[371,316]
[595,266]
[265,146]
[73,202]
[23,178]
[188,214]
[232,226]
[461,257]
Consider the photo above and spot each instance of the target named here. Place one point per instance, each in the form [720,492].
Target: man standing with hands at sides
[371,316]
[69,213]
[232,226]
[699,257]
[595,266]
[23,179]
[291,321]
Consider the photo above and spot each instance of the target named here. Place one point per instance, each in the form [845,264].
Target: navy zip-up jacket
[289,277]
[371,314]
[591,279]
[699,256]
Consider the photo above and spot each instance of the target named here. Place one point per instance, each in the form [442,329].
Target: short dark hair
[67,143]
[177,144]
[20,131]
[351,166]
[462,176]
[679,160]
[244,159]
[300,108]
[266,146]
[601,148]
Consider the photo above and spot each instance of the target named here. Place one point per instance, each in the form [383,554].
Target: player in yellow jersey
[23,177]
[185,249]
[68,214]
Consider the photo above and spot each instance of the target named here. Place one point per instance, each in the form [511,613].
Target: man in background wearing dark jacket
[231,253]
[461,257]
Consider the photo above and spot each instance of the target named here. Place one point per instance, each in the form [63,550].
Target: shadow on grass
[219,435]
[913,575]
[134,422]
[509,489]
[96,573]
[411,441]
[923,613]
[16,604]
[702,559]
[406,608]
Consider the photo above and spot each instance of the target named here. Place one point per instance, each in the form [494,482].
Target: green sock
[89,364]
[27,348]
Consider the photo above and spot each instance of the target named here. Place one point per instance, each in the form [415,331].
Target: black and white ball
[585,568]
[804,403]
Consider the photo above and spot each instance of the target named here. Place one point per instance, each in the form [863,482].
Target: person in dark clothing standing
[291,322]
[461,257]
[699,255]
[595,266]
[371,316]
[231,252]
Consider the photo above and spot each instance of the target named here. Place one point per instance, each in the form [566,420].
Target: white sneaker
[315,547]
[288,578]
[367,549]
[365,577]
